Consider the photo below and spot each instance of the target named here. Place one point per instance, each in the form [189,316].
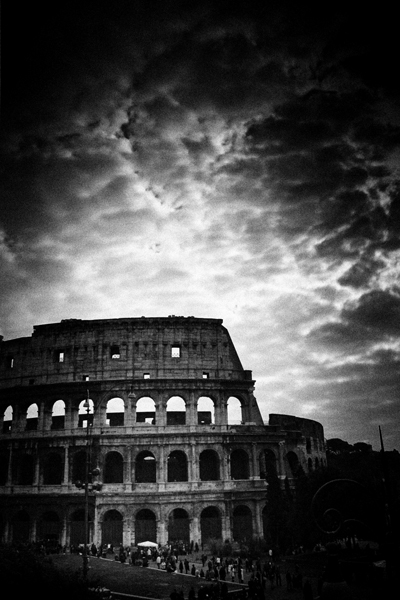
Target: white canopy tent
[148,545]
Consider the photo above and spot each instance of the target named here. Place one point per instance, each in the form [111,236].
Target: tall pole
[86,528]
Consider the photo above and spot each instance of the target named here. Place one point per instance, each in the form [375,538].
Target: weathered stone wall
[218,480]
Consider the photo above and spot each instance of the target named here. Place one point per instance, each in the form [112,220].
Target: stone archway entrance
[178,527]
[112,528]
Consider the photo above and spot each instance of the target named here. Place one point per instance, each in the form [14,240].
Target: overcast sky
[214,159]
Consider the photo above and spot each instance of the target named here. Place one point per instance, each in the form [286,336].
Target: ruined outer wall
[121,349]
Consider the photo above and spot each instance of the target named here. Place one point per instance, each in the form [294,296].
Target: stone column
[64,530]
[162,471]
[258,521]
[191,409]
[42,421]
[161,408]
[9,470]
[128,470]
[194,530]
[71,415]
[66,466]
[36,470]
[223,409]
[254,468]
[194,466]
[226,522]
[225,464]
[130,403]
[281,459]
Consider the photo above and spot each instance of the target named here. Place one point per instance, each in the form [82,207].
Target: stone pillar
[191,409]
[128,416]
[258,524]
[63,540]
[226,522]
[42,424]
[36,470]
[162,471]
[71,416]
[194,466]
[162,529]
[33,531]
[132,410]
[9,470]
[281,459]
[66,466]
[128,470]
[161,408]
[225,464]
[194,529]
[254,466]
[223,409]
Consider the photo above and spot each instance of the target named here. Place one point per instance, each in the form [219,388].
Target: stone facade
[157,415]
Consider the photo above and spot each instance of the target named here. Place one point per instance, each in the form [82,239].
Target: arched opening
[4,462]
[7,419]
[145,526]
[310,465]
[58,415]
[267,463]
[176,411]
[32,417]
[52,469]
[85,413]
[240,464]
[145,468]
[112,528]
[316,463]
[177,466]
[49,527]
[205,411]
[79,466]
[21,527]
[178,527]
[293,462]
[113,468]
[234,411]
[242,524]
[77,527]
[209,465]
[25,470]
[210,524]
[115,412]
[146,411]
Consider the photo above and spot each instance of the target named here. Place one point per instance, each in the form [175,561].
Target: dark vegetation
[367,506]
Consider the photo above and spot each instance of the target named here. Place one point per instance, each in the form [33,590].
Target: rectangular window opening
[175,352]
[205,375]
[146,375]
[114,352]
[61,357]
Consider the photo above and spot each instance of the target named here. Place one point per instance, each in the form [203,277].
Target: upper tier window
[114,352]
[175,352]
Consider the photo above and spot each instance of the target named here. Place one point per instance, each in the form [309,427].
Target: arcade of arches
[116,528]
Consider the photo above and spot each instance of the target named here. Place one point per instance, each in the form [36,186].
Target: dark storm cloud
[373,317]
[244,156]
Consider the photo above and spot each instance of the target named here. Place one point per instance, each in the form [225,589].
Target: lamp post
[97,487]
[86,529]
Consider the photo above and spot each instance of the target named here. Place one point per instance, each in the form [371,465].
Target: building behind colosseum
[166,416]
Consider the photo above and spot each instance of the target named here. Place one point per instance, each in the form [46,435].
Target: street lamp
[88,472]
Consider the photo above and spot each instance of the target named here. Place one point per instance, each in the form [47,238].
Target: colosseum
[145,429]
